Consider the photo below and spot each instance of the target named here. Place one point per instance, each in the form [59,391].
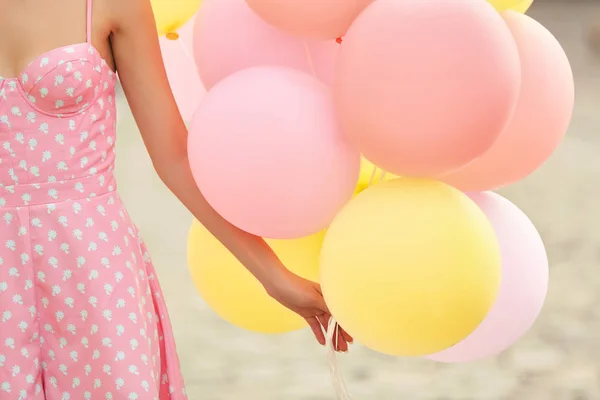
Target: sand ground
[557,360]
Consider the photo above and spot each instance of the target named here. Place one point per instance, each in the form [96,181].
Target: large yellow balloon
[171,15]
[410,267]
[516,5]
[366,173]
[234,294]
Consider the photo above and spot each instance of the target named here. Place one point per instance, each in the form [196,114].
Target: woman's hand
[304,297]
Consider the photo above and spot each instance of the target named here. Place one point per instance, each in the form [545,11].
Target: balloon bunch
[447,100]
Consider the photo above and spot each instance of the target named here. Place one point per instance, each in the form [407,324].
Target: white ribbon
[339,386]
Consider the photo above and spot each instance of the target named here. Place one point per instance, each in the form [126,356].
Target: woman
[82,316]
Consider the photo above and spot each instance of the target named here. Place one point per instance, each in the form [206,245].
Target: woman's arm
[139,62]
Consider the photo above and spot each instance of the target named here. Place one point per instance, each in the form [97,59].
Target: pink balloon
[186,35]
[523,288]
[183,78]
[425,87]
[322,19]
[268,154]
[229,37]
[542,116]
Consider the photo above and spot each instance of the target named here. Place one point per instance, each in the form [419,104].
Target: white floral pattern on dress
[81,312]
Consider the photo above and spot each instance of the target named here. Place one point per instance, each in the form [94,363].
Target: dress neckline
[90,47]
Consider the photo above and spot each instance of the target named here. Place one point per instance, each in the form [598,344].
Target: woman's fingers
[324,320]
[347,337]
[315,326]
[339,339]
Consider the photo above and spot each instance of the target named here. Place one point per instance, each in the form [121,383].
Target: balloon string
[373,174]
[339,385]
[309,59]
[186,51]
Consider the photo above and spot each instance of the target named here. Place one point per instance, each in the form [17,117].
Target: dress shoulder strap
[90,6]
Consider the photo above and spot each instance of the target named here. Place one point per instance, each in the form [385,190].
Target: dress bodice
[58,118]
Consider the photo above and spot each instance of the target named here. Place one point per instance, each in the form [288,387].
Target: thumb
[320,300]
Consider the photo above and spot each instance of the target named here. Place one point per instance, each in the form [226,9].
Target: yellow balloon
[234,294]
[410,267]
[366,173]
[516,5]
[171,15]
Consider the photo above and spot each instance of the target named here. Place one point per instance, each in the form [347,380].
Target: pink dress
[81,312]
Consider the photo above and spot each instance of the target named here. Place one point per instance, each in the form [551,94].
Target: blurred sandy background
[557,360]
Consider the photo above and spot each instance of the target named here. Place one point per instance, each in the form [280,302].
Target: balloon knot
[338,40]
[172,35]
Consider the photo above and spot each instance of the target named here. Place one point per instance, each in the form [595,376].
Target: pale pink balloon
[183,78]
[229,37]
[542,116]
[523,287]
[425,87]
[267,152]
[321,19]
